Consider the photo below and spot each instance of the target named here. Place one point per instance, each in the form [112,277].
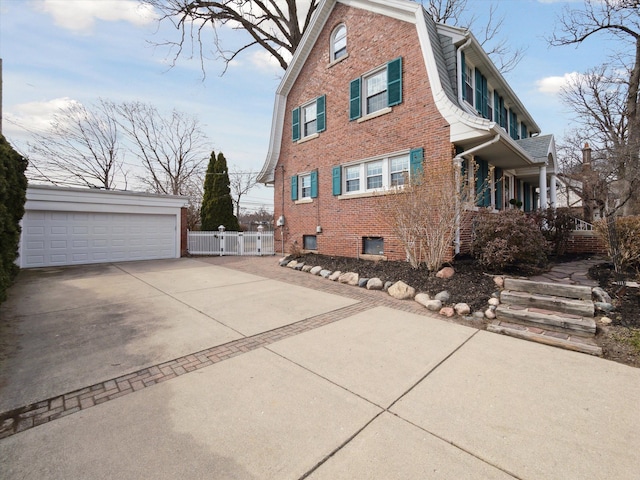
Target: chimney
[586,158]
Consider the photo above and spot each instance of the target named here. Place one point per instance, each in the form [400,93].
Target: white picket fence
[230,243]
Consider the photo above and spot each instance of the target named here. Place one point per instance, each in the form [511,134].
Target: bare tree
[83,147]
[172,149]
[276,26]
[456,13]
[241,183]
[606,99]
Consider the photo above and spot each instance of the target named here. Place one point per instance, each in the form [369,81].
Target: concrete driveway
[225,368]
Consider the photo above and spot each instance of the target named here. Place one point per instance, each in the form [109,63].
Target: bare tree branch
[275,25]
[241,183]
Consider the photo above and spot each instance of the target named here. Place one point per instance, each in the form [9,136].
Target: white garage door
[73,238]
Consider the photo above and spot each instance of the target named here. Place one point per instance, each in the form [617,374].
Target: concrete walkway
[226,368]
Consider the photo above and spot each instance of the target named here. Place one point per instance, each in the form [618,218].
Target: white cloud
[34,116]
[80,15]
[553,85]
[264,61]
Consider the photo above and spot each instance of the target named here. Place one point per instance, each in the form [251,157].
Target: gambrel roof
[441,47]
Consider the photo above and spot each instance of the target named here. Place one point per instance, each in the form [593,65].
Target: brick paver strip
[29,416]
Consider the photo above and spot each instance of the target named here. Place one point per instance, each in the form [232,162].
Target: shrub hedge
[627,234]
[13,195]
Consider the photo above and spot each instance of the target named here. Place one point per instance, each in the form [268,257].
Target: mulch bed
[473,284]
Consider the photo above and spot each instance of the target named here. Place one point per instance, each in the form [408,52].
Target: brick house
[375,90]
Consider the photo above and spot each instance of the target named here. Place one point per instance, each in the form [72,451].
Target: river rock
[315,270]
[499,281]
[292,264]
[422,299]
[362,283]
[401,291]
[601,295]
[447,311]
[433,305]
[374,284]
[350,278]
[462,309]
[490,314]
[387,285]
[446,273]
[335,276]
[603,306]
[494,302]
[307,268]
[443,296]
[325,273]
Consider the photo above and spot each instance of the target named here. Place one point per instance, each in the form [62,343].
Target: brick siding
[373,40]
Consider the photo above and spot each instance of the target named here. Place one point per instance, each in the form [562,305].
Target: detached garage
[71,226]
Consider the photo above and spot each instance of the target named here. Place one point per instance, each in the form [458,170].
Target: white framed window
[398,170]
[375,87]
[309,119]
[376,174]
[468,83]
[338,42]
[304,183]
[352,178]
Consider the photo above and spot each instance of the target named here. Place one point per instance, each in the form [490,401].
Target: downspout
[461,102]
[458,164]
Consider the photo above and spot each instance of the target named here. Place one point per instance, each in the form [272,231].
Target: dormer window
[339,43]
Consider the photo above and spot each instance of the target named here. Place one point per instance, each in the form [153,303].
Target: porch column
[552,191]
[543,187]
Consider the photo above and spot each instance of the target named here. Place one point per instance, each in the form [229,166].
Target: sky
[58,51]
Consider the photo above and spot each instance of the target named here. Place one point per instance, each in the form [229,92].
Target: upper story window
[379,89]
[305,186]
[309,119]
[468,84]
[490,102]
[376,91]
[338,43]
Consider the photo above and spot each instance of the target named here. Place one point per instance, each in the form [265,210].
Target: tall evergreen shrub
[13,195]
[217,204]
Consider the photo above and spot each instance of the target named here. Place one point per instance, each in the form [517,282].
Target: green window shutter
[416,156]
[295,124]
[394,82]
[463,68]
[485,97]
[523,131]
[513,125]
[483,190]
[496,107]
[314,184]
[321,116]
[294,187]
[527,197]
[499,182]
[355,105]
[478,105]
[336,178]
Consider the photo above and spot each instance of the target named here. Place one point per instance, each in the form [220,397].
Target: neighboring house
[375,90]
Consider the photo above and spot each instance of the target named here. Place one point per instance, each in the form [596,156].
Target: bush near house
[13,195]
[626,238]
[556,225]
[508,239]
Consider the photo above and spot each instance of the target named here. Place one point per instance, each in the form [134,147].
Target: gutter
[458,161]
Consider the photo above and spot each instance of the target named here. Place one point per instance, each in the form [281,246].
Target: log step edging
[549,320]
[543,337]
[578,292]
[583,308]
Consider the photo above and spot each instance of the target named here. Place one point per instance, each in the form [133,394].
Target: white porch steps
[554,314]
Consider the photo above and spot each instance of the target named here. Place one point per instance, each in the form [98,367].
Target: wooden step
[579,292]
[573,306]
[547,319]
[568,342]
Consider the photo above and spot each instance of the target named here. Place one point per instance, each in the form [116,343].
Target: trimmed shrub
[508,239]
[627,239]
[13,194]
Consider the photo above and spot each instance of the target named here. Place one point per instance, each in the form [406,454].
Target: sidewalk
[321,381]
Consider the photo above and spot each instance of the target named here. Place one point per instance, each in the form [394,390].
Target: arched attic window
[339,42]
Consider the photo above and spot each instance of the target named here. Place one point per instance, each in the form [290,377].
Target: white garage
[68,226]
